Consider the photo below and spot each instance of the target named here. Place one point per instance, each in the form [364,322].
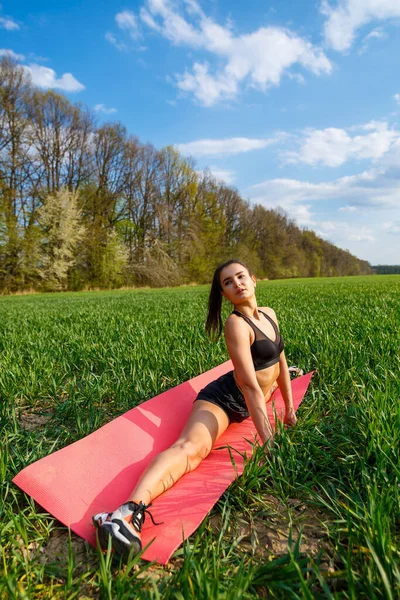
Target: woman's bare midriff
[265,378]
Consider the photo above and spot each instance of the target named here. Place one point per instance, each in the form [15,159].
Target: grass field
[319,519]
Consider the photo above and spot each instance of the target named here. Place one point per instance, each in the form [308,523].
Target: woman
[256,349]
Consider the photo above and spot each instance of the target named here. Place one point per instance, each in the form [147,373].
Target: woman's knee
[194,450]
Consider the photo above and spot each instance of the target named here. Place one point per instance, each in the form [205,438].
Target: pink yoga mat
[98,472]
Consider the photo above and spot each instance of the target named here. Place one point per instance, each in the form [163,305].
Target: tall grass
[71,362]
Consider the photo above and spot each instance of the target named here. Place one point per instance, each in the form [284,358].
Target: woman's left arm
[286,390]
[283,382]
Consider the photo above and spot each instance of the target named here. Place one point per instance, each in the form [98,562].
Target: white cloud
[376,189]
[148,20]
[114,42]
[393,228]
[225,175]
[128,21]
[364,235]
[173,26]
[47,78]
[328,225]
[258,59]
[348,16]
[348,208]
[37,58]
[302,214]
[344,234]
[370,126]
[392,158]
[224,147]
[285,192]
[312,205]
[397,98]
[297,77]
[8,23]
[333,147]
[11,54]
[375,34]
[356,212]
[208,89]
[101,108]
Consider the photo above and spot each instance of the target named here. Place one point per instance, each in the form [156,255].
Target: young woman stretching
[256,349]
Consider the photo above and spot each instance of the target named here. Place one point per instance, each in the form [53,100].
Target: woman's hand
[290,418]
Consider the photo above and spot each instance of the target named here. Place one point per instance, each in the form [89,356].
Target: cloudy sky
[294,102]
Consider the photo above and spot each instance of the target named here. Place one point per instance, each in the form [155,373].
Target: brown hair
[214,320]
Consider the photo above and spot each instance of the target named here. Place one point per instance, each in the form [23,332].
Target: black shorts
[225,393]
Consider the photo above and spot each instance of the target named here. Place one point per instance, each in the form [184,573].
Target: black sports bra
[264,351]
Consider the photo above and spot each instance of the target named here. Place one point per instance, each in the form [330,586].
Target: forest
[84,206]
[387,269]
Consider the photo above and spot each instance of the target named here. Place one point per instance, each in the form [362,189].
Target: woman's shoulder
[269,311]
[237,331]
[234,320]
[234,323]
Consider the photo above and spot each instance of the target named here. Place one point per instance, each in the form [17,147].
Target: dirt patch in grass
[55,555]
[32,417]
[267,533]
[32,420]
[56,550]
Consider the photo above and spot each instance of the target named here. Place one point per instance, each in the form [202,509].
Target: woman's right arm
[238,344]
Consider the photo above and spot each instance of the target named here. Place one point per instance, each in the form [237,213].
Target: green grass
[71,362]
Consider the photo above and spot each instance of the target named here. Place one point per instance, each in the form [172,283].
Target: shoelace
[141,509]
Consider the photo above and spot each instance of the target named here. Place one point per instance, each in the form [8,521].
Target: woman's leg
[205,425]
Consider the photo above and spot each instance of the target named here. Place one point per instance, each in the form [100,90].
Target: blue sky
[295,103]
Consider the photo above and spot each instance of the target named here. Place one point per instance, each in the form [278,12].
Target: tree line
[386,269]
[85,206]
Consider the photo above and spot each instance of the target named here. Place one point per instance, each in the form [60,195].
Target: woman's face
[237,284]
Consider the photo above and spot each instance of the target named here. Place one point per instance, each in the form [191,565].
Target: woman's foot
[123,526]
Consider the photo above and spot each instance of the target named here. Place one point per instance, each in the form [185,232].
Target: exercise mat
[98,472]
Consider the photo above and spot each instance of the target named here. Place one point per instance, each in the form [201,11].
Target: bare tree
[178,189]
[102,199]
[142,192]
[60,135]
[15,88]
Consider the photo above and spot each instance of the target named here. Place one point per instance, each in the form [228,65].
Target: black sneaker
[123,526]
[295,372]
